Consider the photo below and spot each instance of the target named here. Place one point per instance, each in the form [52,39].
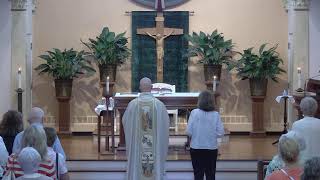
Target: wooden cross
[159,33]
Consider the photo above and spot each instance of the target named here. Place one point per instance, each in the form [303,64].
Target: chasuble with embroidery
[146,128]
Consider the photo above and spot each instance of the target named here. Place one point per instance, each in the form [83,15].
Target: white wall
[5,55]
[314,28]
[62,23]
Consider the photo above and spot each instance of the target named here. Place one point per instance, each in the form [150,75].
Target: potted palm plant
[212,50]
[258,68]
[63,66]
[109,50]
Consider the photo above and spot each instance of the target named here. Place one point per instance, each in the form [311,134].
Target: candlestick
[299,78]
[19,93]
[19,78]
[214,84]
[107,85]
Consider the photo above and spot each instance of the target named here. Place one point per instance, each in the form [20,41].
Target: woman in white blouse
[204,128]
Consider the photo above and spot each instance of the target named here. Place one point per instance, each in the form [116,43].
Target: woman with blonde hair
[204,127]
[34,136]
[288,150]
[277,163]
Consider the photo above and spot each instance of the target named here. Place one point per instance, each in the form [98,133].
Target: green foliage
[109,48]
[65,64]
[263,65]
[211,49]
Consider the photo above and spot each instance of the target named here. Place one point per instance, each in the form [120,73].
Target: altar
[185,101]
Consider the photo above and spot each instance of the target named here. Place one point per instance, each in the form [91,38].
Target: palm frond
[108,47]
[64,64]
[209,48]
[263,65]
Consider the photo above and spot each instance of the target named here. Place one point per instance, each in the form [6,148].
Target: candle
[299,78]
[214,84]
[19,78]
[107,85]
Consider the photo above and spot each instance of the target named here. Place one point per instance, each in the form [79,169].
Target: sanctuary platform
[237,160]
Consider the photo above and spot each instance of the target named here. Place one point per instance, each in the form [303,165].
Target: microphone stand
[285,118]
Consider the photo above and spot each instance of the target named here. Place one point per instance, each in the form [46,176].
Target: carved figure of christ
[159,33]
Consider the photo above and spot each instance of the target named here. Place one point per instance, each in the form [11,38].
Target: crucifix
[159,33]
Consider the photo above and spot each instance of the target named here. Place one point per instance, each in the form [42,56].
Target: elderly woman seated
[29,160]
[311,169]
[289,150]
[33,136]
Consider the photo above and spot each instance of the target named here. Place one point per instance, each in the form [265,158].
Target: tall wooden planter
[108,70]
[63,95]
[209,72]
[258,89]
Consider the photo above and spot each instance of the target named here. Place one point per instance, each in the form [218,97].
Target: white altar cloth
[178,94]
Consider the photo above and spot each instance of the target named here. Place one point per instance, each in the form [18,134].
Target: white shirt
[309,129]
[62,166]
[204,128]
[3,156]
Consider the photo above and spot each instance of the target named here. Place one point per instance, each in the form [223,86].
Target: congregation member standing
[3,156]
[29,160]
[10,126]
[33,136]
[146,128]
[277,163]
[288,150]
[311,169]
[309,128]
[204,128]
[60,163]
[35,118]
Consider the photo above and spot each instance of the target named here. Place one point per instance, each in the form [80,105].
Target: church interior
[259,58]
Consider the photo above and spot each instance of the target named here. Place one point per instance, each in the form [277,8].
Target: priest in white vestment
[146,128]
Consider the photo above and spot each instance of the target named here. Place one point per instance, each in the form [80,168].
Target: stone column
[21,50]
[298,45]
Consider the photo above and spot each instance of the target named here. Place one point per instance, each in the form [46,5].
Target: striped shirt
[46,167]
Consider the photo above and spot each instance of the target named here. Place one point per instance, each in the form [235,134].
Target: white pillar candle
[19,78]
[107,85]
[214,84]
[299,78]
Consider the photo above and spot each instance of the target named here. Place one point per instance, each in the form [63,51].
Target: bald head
[36,115]
[145,85]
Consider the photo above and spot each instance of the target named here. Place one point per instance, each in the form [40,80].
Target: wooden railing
[262,169]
